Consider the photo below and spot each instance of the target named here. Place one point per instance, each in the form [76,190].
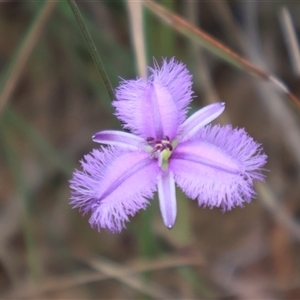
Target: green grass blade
[20,58]
[18,176]
[13,119]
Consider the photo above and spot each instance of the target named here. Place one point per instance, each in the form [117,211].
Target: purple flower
[213,164]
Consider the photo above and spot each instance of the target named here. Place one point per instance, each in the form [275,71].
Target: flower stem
[92,48]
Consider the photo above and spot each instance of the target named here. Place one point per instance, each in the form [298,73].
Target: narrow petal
[118,138]
[156,107]
[113,185]
[218,166]
[200,119]
[167,198]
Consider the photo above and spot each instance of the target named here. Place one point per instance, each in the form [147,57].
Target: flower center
[160,145]
[161,150]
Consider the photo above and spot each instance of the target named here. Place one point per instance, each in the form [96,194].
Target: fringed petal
[178,80]
[155,108]
[218,166]
[113,185]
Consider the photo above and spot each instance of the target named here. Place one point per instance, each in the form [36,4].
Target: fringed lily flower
[213,164]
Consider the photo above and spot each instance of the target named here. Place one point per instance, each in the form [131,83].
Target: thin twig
[214,46]
[135,11]
[290,39]
[54,284]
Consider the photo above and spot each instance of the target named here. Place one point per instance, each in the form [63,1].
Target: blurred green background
[52,100]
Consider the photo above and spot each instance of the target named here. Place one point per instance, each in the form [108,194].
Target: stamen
[161,150]
[169,146]
[151,141]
